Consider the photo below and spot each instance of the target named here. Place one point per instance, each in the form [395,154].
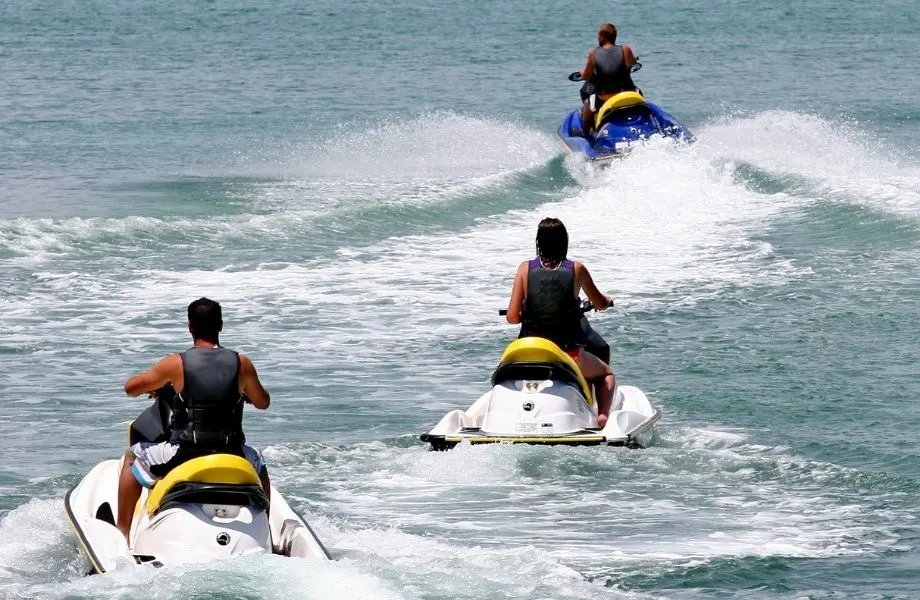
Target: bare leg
[587,117]
[593,369]
[266,486]
[605,398]
[129,492]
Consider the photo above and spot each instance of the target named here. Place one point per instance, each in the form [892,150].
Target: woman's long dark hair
[552,241]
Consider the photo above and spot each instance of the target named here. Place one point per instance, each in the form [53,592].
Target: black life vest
[551,309]
[611,75]
[209,411]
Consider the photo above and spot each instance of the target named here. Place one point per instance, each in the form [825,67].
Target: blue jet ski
[623,121]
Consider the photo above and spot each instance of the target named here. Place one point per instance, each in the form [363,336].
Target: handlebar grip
[502,312]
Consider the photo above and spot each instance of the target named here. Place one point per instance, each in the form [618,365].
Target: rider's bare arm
[250,384]
[167,370]
[516,302]
[584,281]
[588,72]
[628,56]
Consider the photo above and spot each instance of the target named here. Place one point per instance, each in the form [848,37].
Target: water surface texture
[356,182]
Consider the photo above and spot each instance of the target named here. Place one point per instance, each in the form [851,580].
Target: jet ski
[209,508]
[620,123]
[539,396]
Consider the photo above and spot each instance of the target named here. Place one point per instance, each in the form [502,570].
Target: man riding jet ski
[606,73]
[540,390]
[614,115]
[211,383]
[207,492]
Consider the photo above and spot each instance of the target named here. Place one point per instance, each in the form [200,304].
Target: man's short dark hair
[607,33]
[205,320]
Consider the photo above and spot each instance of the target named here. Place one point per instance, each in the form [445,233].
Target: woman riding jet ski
[206,493]
[540,392]
[614,115]
[545,301]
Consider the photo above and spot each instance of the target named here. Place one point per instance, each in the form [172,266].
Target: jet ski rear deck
[539,396]
[623,122]
[211,508]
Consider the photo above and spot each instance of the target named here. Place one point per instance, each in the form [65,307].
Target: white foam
[270,577]
[36,544]
[842,161]
[594,509]
[439,145]
[422,162]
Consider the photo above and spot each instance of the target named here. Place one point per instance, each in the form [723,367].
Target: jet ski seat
[212,479]
[617,102]
[539,358]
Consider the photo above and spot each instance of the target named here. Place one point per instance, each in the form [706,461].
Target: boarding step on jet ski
[209,508]
[625,120]
[539,396]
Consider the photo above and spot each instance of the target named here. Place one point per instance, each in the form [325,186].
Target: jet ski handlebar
[586,306]
[576,75]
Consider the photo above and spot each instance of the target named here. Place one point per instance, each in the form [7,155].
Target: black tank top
[550,307]
[611,75]
[211,415]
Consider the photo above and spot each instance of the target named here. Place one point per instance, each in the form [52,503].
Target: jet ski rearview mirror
[636,66]
[575,76]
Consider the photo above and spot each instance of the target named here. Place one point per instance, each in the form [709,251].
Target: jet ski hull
[556,415]
[621,131]
[181,532]
[476,436]
[539,396]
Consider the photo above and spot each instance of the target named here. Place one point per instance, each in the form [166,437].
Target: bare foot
[601,421]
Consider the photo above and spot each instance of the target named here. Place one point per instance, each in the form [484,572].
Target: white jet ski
[209,508]
[539,396]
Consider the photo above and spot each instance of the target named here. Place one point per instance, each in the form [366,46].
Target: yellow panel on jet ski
[214,468]
[572,440]
[542,350]
[621,100]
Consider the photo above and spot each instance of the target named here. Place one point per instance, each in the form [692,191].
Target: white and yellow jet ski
[208,508]
[539,396]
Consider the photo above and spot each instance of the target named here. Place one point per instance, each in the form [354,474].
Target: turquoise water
[356,183]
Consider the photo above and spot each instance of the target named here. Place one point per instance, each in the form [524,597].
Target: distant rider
[545,301]
[212,383]
[606,73]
